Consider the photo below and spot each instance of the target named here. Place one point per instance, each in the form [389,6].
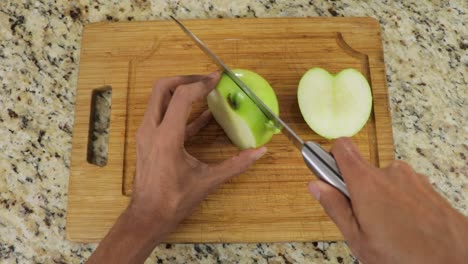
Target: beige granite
[426,57]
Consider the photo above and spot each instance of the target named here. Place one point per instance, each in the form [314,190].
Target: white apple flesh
[242,121]
[334,105]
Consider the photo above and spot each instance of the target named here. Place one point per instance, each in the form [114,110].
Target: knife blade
[317,159]
[277,121]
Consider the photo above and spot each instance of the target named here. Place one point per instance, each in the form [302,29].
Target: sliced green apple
[242,121]
[334,105]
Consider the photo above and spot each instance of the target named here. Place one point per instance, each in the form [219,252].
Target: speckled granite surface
[426,58]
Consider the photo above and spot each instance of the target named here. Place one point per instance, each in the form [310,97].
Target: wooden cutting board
[268,203]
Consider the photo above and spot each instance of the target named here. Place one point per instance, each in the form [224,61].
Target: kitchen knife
[317,159]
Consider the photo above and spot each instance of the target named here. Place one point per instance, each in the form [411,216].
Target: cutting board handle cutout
[365,69]
[99,122]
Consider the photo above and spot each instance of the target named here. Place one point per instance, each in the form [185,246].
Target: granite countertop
[426,65]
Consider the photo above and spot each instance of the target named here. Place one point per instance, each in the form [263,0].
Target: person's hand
[169,182]
[393,215]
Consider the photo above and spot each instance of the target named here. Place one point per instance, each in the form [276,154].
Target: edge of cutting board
[81,223]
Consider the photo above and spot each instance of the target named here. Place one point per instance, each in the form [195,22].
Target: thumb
[337,207]
[236,165]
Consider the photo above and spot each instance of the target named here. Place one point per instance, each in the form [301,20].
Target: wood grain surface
[268,203]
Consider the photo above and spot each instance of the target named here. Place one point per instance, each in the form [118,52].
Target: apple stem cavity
[232,100]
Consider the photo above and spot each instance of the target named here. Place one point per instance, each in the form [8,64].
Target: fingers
[345,150]
[181,103]
[351,163]
[236,165]
[337,207]
[162,93]
[398,167]
[195,126]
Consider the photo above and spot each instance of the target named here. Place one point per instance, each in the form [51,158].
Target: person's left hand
[169,181]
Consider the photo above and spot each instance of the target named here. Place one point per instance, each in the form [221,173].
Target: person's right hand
[393,215]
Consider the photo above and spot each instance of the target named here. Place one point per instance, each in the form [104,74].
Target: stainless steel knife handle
[323,165]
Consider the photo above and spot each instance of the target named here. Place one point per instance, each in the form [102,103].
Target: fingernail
[314,190]
[260,153]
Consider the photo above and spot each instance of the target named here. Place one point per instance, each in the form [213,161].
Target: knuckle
[156,91]
[401,168]
[161,86]
[183,92]
[159,83]
[341,141]
[340,145]
[399,165]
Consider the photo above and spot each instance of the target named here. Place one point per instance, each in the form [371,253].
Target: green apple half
[242,121]
[334,105]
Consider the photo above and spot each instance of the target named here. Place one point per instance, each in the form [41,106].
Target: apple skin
[335,105]
[242,121]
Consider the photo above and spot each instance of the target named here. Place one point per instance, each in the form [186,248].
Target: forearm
[131,240]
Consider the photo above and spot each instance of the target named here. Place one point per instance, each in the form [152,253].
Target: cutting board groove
[268,203]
